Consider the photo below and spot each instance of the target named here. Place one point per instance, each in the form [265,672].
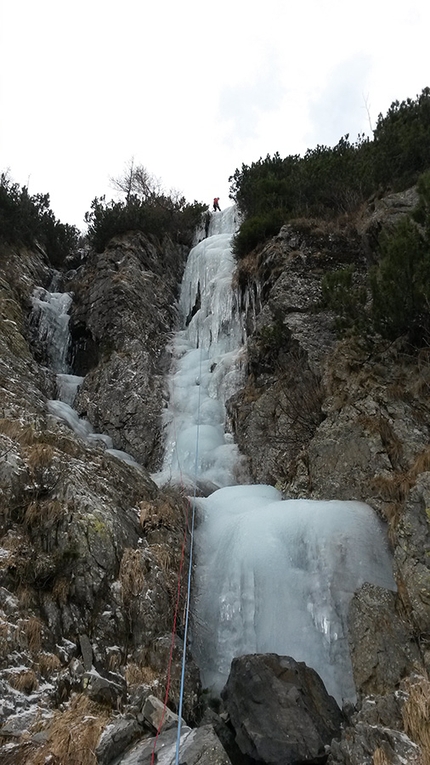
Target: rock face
[328,418]
[279,709]
[90,548]
[123,314]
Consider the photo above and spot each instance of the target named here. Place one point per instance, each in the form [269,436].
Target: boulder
[115,738]
[157,714]
[280,709]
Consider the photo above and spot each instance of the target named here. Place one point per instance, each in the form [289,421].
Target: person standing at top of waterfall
[216,204]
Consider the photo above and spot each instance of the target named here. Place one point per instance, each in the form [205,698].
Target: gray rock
[87,651]
[199,746]
[115,739]
[105,690]
[279,709]
[383,649]
[121,321]
[157,714]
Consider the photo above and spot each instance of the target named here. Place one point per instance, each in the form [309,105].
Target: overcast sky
[192,89]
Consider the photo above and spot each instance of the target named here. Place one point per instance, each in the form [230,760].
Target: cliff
[90,547]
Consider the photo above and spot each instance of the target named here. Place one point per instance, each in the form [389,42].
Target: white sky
[192,89]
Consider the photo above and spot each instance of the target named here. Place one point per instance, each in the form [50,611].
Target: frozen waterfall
[50,315]
[272,575]
[278,575]
[207,365]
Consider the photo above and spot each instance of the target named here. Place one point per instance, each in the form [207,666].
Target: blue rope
[190,569]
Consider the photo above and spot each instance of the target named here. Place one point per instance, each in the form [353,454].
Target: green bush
[346,298]
[27,220]
[256,230]
[158,215]
[329,181]
[401,284]
[402,142]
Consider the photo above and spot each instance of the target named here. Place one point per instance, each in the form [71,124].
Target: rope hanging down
[190,568]
[178,595]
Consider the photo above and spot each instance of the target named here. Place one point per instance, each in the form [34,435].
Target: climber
[216,204]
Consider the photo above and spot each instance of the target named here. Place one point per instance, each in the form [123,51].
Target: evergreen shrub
[27,220]
[329,181]
[160,215]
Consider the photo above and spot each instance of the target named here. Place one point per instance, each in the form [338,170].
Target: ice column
[207,365]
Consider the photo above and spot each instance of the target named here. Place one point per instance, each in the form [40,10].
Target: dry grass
[131,573]
[416,714]
[49,511]
[61,590]
[165,513]
[247,270]
[39,455]
[145,511]
[394,488]
[162,556]
[421,464]
[379,757]
[24,681]
[48,664]
[25,596]
[114,660]
[33,629]
[391,443]
[140,675]
[17,431]
[34,435]
[73,734]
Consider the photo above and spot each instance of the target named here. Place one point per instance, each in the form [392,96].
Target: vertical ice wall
[207,364]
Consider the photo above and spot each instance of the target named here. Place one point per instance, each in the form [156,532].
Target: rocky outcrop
[122,317]
[326,417]
[90,551]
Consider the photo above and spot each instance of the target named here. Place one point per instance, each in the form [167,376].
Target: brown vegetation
[73,734]
[24,681]
[416,714]
[131,573]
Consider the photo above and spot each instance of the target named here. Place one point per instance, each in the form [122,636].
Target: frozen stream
[272,575]
[51,316]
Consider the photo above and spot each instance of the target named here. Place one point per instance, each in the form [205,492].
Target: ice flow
[207,365]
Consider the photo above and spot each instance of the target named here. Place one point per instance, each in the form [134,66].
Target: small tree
[136,181]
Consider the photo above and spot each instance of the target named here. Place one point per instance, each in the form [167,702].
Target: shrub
[27,220]
[401,142]
[329,181]
[257,230]
[346,299]
[401,284]
[159,215]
